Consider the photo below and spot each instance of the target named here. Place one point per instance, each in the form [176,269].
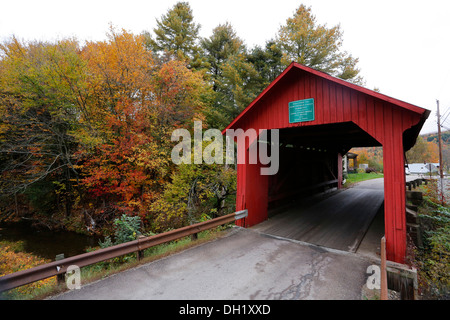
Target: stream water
[46,243]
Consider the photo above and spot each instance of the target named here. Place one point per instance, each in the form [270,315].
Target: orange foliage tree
[136,104]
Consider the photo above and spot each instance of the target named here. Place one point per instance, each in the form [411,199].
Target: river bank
[45,243]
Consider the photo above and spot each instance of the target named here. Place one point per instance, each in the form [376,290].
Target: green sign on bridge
[301,111]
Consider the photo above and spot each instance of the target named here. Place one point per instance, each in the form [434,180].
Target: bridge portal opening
[305,200]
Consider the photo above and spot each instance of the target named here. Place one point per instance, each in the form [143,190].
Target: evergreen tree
[176,35]
[223,44]
[302,40]
[234,78]
[267,61]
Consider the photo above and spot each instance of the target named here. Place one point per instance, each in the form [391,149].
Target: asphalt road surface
[245,264]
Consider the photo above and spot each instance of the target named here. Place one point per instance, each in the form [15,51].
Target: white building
[421,168]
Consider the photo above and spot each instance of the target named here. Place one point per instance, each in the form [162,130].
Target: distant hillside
[433,137]
[422,152]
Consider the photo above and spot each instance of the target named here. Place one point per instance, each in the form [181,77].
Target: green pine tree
[234,78]
[267,61]
[177,35]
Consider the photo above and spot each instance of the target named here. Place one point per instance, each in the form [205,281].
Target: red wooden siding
[336,101]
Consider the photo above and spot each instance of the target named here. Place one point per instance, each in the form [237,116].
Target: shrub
[371,169]
[125,229]
[433,258]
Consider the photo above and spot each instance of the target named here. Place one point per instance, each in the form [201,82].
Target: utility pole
[441,169]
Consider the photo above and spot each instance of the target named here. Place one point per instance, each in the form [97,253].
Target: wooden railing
[59,267]
[415,183]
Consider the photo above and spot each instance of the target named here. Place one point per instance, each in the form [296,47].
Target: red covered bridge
[343,116]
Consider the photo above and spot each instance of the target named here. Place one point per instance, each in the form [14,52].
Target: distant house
[350,166]
[422,168]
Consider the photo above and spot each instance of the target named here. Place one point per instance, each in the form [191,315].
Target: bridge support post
[394,197]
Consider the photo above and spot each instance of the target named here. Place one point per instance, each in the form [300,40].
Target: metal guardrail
[59,267]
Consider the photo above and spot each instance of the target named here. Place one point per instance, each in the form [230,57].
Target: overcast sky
[403,45]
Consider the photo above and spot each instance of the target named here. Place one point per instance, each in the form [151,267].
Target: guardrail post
[60,278]
[140,253]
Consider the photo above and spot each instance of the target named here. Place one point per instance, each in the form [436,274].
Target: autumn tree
[195,192]
[124,160]
[433,152]
[181,95]
[127,172]
[138,103]
[423,152]
[42,94]
[120,68]
[305,41]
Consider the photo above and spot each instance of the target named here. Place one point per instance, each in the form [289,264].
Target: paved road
[243,265]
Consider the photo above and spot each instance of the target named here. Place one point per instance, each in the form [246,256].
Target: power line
[441,169]
[448,113]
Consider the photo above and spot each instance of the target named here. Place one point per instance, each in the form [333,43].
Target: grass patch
[363,176]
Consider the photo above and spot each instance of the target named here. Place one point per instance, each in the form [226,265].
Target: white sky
[403,45]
